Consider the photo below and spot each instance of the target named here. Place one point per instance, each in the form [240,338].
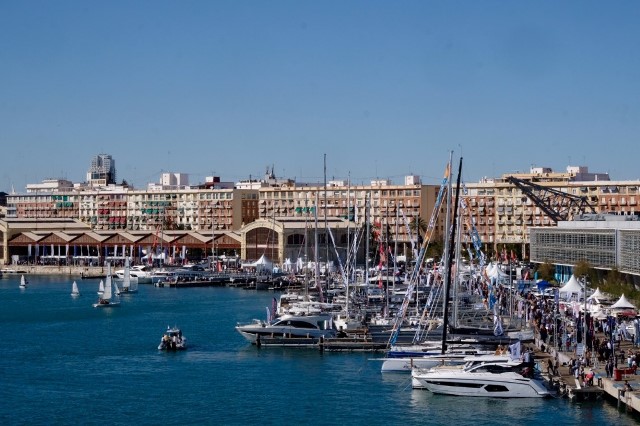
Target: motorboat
[172,340]
[289,326]
[141,272]
[490,378]
[455,355]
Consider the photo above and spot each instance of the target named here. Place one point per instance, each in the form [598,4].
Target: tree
[582,269]
[418,225]
[546,271]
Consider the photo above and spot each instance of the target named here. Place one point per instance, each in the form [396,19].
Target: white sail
[74,289]
[23,282]
[126,282]
[106,295]
[101,287]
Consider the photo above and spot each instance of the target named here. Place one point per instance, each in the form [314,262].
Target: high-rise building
[102,171]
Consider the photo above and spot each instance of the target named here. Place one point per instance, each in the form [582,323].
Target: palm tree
[418,225]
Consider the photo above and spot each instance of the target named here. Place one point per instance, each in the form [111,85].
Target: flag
[514,351]
[497,329]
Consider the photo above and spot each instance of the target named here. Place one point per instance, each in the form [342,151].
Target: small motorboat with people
[172,340]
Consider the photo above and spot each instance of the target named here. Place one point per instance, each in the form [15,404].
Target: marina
[127,338]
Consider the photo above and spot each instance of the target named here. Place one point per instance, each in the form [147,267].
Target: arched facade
[263,237]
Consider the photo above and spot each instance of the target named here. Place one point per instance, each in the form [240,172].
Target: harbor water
[65,362]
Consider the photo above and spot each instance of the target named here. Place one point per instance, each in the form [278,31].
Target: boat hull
[507,385]
[106,305]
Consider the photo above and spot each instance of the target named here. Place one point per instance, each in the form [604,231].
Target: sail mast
[450,250]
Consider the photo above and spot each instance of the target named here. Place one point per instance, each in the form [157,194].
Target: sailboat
[129,283]
[107,299]
[74,289]
[23,282]
[101,288]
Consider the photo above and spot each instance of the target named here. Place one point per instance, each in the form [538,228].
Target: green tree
[418,225]
[546,271]
[582,269]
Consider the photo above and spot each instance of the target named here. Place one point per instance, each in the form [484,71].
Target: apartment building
[503,214]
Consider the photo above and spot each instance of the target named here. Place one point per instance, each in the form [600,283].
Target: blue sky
[384,89]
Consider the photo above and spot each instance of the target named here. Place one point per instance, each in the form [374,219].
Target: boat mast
[326,227]
[366,242]
[305,267]
[316,247]
[450,249]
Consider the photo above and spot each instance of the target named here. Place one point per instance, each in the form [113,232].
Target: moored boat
[289,326]
[502,379]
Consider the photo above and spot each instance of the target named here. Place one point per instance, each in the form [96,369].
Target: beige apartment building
[124,209]
[501,213]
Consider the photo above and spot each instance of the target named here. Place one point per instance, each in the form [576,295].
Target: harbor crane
[558,205]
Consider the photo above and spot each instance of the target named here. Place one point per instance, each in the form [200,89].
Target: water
[65,362]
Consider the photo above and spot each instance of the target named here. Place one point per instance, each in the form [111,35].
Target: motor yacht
[490,378]
[141,272]
[289,326]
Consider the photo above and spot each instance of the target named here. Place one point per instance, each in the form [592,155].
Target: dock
[603,387]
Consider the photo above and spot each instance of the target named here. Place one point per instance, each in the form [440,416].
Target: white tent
[287,266]
[570,288]
[622,303]
[262,264]
[598,295]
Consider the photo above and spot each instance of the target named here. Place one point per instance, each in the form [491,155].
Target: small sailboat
[129,283]
[74,289]
[108,299]
[101,288]
[23,282]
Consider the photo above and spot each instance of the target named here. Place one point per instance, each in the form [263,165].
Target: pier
[603,387]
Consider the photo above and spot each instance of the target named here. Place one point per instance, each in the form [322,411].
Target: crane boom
[558,205]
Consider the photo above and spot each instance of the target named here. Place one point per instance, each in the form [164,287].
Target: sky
[382,89]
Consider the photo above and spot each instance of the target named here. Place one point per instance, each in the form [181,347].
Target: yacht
[141,272]
[490,378]
[455,355]
[288,326]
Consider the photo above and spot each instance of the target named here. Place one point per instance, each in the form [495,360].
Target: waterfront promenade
[603,386]
[54,270]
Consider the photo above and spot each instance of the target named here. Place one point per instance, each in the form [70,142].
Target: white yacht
[453,356]
[142,272]
[503,379]
[287,326]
